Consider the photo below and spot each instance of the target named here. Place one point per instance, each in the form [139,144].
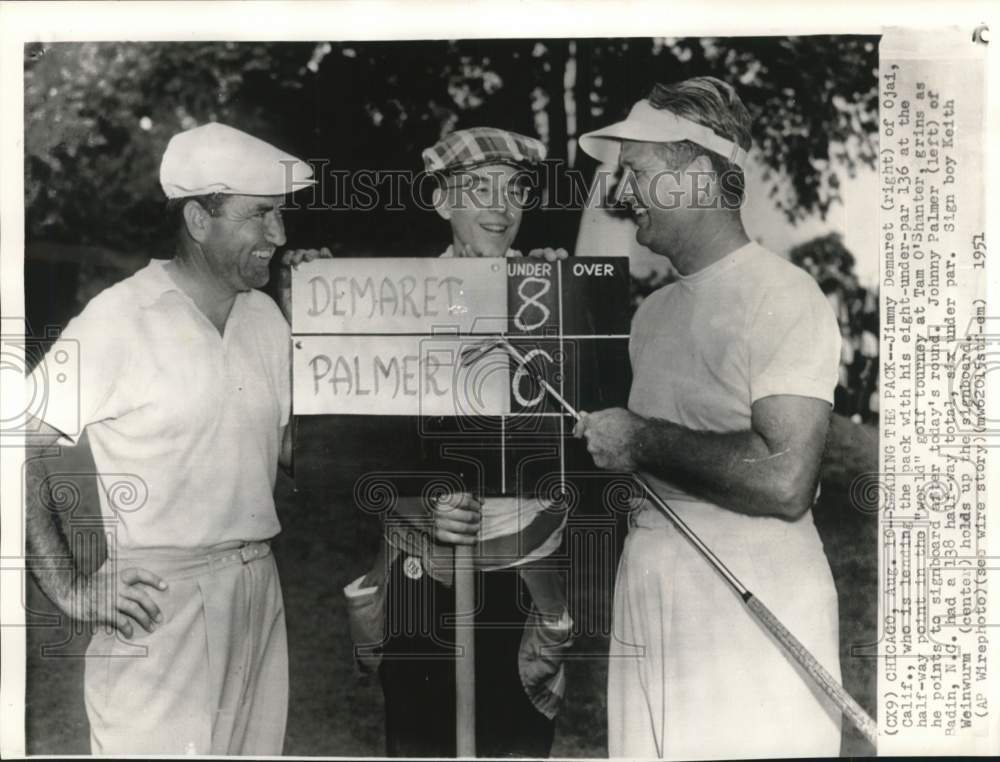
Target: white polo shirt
[185,424]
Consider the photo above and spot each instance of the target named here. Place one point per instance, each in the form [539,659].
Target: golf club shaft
[826,682]
[830,686]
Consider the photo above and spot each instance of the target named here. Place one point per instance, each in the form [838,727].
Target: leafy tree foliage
[98,116]
[827,259]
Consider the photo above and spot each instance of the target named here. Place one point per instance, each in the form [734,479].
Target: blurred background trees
[98,115]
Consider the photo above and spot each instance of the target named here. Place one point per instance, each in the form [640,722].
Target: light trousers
[212,678]
[692,675]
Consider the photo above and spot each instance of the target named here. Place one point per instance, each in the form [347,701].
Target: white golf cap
[214,158]
[652,125]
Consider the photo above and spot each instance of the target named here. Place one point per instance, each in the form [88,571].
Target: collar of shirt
[154,281]
[718,267]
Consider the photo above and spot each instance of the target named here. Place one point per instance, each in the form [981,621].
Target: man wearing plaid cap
[519,674]
[734,367]
[485,183]
[184,390]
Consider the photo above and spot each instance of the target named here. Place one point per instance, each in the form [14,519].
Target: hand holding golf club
[611,436]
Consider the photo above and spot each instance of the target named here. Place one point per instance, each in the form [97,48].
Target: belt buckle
[248,553]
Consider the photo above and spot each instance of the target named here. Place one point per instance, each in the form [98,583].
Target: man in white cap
[734,367]
[185,393]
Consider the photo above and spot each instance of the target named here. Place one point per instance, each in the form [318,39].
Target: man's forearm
[49,557]
[736,470]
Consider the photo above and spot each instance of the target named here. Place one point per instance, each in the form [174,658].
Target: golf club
[850,708]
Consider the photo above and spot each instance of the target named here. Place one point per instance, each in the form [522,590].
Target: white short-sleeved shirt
[709,345]
[185,424]
[703,350]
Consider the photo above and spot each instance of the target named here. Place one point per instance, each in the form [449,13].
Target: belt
[178,563]
[250,551]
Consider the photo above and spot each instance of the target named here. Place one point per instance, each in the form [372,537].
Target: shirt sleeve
[284,352]
[794,344]
[78,382]
[634,336]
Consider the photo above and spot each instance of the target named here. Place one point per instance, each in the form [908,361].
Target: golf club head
[475,353]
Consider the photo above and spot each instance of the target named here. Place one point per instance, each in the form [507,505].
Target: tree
[98,116]
[827,259]
[814,100]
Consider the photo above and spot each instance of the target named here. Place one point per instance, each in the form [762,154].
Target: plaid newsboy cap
[474,147]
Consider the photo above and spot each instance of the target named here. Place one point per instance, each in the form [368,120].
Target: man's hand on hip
[120,601]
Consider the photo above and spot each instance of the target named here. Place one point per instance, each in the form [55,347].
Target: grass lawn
[336,711]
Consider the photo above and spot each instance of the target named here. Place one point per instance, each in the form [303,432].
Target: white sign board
[397,375]
[399,296]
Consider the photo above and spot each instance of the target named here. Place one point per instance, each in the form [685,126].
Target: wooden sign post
[385,406]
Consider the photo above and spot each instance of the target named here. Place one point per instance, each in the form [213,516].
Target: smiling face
[658,194]
[240,240]
[484,210]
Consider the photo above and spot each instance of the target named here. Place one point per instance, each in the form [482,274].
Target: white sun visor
[653,125]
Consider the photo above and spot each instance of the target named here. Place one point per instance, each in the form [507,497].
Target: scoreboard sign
[380,386]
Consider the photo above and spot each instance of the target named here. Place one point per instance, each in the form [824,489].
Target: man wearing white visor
[734,367]
[185,394]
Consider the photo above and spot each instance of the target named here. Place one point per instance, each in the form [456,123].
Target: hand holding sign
[548,254]
[456,518]
[289,261]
